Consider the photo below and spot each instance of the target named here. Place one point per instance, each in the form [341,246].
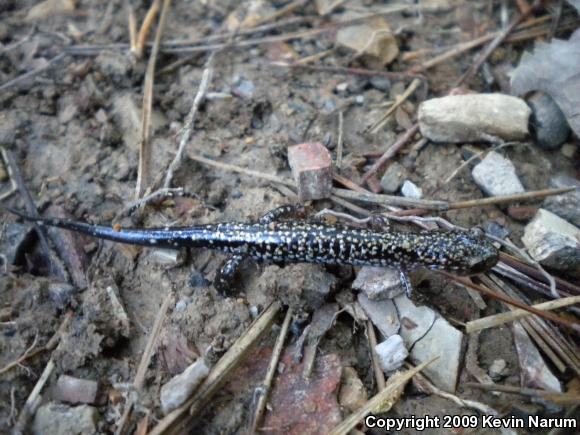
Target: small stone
[383,314]
[196,279]
[312,169]
[522,213]
[353,393]
[548,122]
[393,177]
[391,353]
[342,87]
[58,419]
[474,118]
[118,313]
[244,89]
[378,282]
[411,190]
[380,83]
[566,205]
[180,387]
[569,150]
[75,390]
[496,176]
[167,257]
[553,242]
[372,41]
[497,369]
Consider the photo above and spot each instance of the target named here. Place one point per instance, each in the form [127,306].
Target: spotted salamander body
[302,242]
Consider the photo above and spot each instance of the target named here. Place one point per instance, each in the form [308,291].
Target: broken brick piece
[312,169]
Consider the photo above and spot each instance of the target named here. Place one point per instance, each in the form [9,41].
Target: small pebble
[548,122]
[553,242]
[75,390]
[196,279]
[496,176]
[411,190]
[380,83]
[391,353]
[393,177]
[497,369]
[566,205]
[569,150]
[522,213]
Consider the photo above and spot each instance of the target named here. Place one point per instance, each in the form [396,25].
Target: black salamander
[269,240]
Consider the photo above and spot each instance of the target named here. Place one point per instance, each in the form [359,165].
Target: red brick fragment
[312,169]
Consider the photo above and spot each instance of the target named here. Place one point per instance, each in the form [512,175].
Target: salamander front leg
[225,279]
[406,281]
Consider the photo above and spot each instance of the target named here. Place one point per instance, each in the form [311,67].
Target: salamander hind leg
[225,278]
[280,212]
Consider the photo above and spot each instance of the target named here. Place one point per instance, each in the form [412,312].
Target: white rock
[553,242]
[383,314]
[378,282]
[430,339]
[474,118]
[496,176]
[391,353]
[411,190]
[179,388]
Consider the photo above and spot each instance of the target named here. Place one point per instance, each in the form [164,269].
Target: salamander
[270,240]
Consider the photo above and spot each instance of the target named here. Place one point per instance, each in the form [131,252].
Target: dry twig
[143,171]
[264,389]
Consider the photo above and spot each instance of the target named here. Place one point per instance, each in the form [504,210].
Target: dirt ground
[74,130]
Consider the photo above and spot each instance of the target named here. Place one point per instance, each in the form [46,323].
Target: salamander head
[470,252]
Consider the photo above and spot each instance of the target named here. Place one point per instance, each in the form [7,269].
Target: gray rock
[391,353]
[379,282]
[244,89]
[57,419]
[429,335]
[553,242]
[496,176]
[474,118]
[548,122]
[75,390]
[393,177]
[383,314]
[534,372]
[411,190]
[567,205]
[180,387]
